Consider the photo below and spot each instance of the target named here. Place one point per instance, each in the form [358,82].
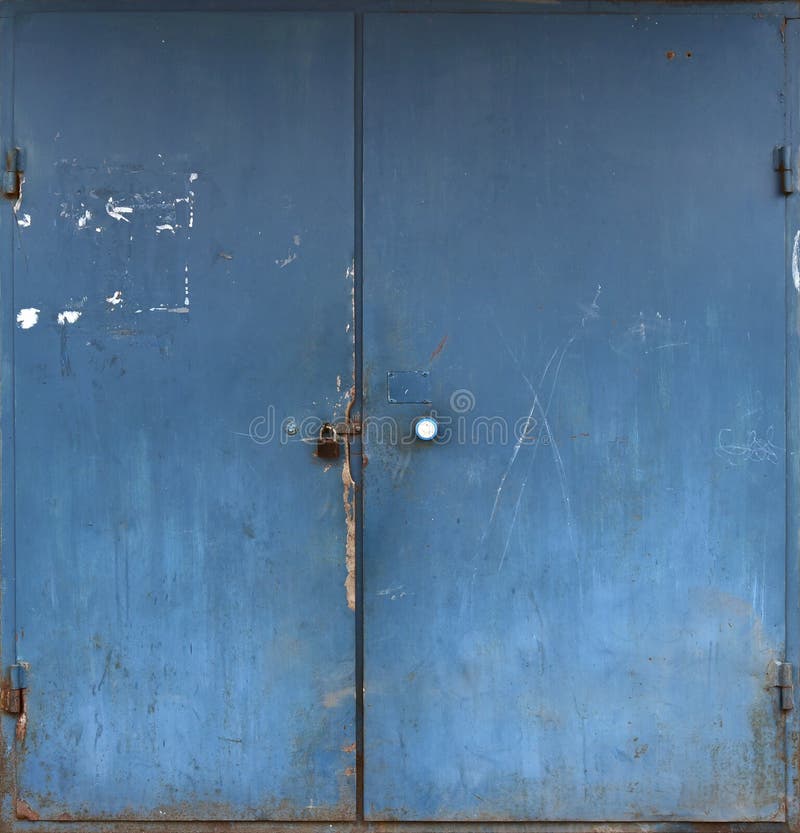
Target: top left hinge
[14,173]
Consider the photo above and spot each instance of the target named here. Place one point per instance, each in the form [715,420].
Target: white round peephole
[426,428]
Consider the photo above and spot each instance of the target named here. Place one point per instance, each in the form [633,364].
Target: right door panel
[575,600]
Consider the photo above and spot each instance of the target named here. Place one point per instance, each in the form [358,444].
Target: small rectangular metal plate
[409,386]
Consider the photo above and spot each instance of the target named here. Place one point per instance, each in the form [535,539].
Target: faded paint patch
[796,262]
[334,698]
[69,316]
[28,317]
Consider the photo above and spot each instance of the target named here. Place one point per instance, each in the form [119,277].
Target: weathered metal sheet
[181,285]
[574,602]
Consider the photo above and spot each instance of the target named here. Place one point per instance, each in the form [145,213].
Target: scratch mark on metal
[439,348]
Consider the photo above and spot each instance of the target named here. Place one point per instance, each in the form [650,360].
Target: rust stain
[348,489]
[25,811]
[349,748]
[670,55]
[439,348]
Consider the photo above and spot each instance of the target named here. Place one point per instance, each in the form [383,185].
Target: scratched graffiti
[752,448]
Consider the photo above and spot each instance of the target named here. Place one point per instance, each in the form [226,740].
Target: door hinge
[785,685]
[782,158]
[11,692]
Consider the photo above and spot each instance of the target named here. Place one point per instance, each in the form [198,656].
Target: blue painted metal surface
[576,224]
[576,599]
[185,238]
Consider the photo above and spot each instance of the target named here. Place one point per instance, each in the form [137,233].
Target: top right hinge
[782,159]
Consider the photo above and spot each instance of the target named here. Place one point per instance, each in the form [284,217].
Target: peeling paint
[165,227]
[22,722]
[24,221]
[193,177]
[796,262]
[18,203]
[284,262]
[118,212]
[348,494]
[115,299]
[69,316]
[28,317]
[168,309]
[84,219]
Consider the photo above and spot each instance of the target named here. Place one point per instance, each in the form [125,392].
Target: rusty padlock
[328,442]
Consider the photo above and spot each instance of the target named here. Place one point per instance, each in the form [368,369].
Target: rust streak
[348,488]
[439,348]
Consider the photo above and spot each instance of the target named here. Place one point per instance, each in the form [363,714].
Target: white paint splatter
[351,271]
[84,218]
[193,177]
[28,317]
[287,260]
[165,227]
[186,285]
[24,221]
[69,316]
[796,262]
[115,299]
[118,212]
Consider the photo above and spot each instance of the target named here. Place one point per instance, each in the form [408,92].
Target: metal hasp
[12,177]
[786,685]
[328,440]
[11,693]
[782,156]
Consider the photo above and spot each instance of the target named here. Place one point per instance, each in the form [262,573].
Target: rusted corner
[25,812]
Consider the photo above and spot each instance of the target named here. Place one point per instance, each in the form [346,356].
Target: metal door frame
[786,11]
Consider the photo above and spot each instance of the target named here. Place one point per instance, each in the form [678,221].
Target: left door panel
[181,286]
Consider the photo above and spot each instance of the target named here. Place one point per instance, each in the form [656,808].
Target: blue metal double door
[579,602]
